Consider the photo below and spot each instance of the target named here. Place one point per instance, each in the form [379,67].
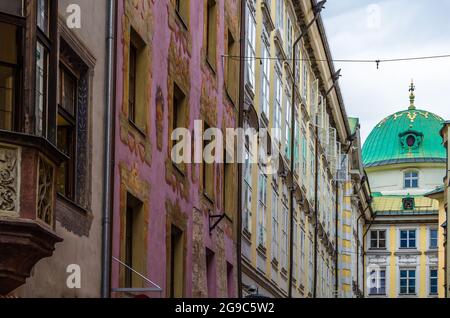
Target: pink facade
[171,53]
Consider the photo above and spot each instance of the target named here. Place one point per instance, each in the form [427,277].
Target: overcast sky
[362,29]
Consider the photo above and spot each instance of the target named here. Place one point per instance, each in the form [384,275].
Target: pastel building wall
[161,224]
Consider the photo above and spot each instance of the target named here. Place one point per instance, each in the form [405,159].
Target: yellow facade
[267,238]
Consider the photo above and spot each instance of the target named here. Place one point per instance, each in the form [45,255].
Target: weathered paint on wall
[175,54]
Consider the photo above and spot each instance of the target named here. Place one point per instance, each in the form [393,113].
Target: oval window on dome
[411,141]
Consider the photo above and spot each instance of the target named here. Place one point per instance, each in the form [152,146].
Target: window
[411,180]
[284,238]
[433,281]
[289,38]
[227,188]
[9,74]
[279,17]
[182,9]
[265,84]
[274,225]
[176,266]
[287,126]
[262,206]
[42,54]
[295,250]
[211,273]
[136,82]
[408,239]
[232,68]
[378,282]
[378,239]
[277,109]
[305,78]
[247,200]
[179,109]
[132,83]
[250,49]
[310,266]
[304,150]
[66,131]
[208,170]
[134,235]
[433,239]
[408,282]
[302,253]
[312,165]
[43,8]
[296,141]
[211,36]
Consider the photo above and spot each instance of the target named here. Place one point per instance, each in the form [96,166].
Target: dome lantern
[412,97]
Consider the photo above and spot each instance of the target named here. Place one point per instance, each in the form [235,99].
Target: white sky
[362,29]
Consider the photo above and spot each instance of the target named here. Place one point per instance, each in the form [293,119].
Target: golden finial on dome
[412,97]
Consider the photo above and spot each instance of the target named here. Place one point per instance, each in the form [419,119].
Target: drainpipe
[107,193]
[240,124]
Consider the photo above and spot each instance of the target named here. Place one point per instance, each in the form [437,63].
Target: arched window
[411,179]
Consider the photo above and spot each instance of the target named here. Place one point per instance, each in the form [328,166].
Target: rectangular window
[176,278]
[262,207]
[66,131]
[433,281]
[378,282]
[182,9]
[133,240]
[265,82]
[310,266]
[295,250]
[274,225]
[211,33]
[287,126]
[132,83]
[179,110]
[408,239]
[284,238]
[302,254]
[227,188]
[41,88]
[43,9]
[277,109]
[411,180]
[305,78]
[289,38]
[378,239]
[232,68]
[9,74]
[250,49]
[247,200]
[279,18]
[408,282]
[208,171]
[433,239]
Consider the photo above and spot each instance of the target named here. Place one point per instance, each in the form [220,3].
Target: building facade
[405,160]
[51,147]
[170,74]
[288,237]
[356,213]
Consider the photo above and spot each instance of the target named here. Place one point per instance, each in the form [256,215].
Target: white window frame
[262,208]
[265,80]
[277,108]
[377,247]
[408,278]
[410,176]
[251,47]
[275,225]
[247,176]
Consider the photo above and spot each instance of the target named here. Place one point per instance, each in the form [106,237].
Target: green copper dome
[408,136]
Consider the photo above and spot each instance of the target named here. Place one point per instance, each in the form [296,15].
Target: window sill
[181,20]
[211,67]
[72,204]
[137,128]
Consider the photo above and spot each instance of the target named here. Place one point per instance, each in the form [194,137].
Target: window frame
[377,239]
[411,176]
[379,280]
[432,278]
[408,239]
[431,239]
[408,279]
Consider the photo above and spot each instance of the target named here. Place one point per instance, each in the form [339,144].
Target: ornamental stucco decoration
[9,179]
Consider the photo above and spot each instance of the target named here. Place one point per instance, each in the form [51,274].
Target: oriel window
[66,130]
[9,74]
